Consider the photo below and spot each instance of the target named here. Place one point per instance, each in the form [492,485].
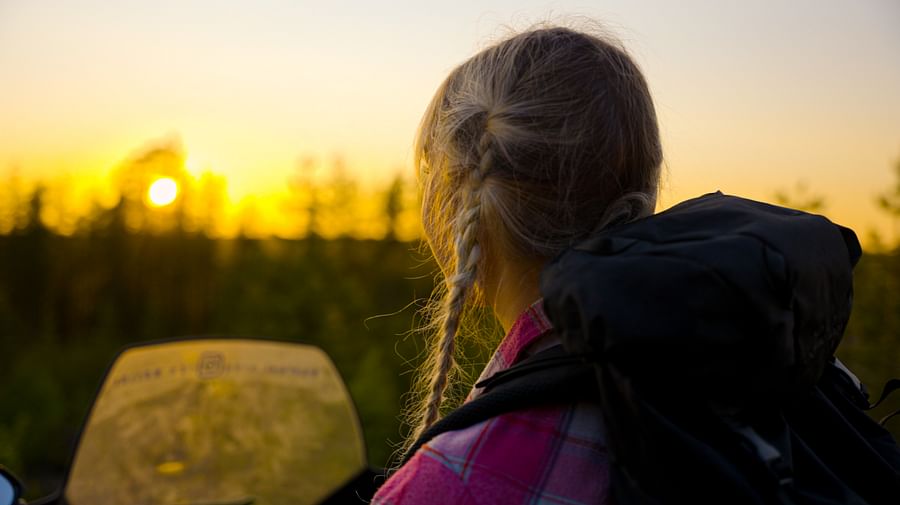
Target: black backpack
[707,333]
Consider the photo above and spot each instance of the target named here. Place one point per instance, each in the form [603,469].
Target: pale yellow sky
[752,96]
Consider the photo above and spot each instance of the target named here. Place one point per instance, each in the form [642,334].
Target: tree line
[129,274]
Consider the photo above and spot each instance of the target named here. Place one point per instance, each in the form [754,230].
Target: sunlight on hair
[162,192]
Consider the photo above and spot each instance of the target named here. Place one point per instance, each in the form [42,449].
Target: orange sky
[752,97]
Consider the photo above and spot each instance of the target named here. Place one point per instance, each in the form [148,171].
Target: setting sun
[162,192]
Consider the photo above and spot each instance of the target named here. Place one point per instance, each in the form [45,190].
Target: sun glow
[162,192]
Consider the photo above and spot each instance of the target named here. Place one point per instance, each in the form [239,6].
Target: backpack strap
[550,377]
[860,394]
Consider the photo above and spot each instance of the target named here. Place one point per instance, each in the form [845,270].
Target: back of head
[527,148]
[552,133]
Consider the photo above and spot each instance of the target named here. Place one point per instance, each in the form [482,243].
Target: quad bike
[216,421]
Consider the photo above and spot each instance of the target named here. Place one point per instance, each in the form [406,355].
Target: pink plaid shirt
[542,455]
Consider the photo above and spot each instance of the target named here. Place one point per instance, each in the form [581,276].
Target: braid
[468,254]
[525,148]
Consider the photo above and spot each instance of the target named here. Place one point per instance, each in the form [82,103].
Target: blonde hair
[527,148]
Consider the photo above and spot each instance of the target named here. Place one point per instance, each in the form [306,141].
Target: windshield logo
[211,365]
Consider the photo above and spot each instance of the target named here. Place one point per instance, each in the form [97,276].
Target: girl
[526,148]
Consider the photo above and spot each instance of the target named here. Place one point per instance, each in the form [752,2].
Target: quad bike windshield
[217,421]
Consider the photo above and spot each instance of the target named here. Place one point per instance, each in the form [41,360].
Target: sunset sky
[752,97]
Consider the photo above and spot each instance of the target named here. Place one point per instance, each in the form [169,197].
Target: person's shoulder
[425,479]
[534,453]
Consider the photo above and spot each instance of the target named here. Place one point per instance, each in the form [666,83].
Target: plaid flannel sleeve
[547,455]
[427,478]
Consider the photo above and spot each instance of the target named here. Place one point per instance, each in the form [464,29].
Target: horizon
[752,99]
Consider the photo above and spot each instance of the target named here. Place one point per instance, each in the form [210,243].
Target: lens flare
[162,192]
[170,467]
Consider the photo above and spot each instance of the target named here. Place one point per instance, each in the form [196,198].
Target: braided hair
[526,148]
